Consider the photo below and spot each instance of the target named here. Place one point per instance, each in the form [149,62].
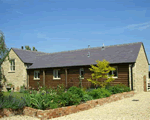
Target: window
[82,73]
[56,74]
[12,65]
[36,74]
[115,73]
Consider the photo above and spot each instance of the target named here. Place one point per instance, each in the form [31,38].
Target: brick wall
[73,74]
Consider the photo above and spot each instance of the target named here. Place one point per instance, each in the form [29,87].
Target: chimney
[88,52]
[22,47]
[103,47]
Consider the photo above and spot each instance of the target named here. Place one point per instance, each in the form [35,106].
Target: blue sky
[60,25]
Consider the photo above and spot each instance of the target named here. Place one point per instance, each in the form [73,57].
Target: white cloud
[140,26]
[41,35]
[19,12]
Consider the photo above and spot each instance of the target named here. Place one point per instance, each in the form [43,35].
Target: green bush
[60,89]
[86,97]
[38,100]
[99,93]
[76,90]
[68,98]
[11,102]
[119,88]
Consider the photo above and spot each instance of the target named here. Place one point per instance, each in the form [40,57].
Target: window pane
[115,73]
[38,74]
[82,74]
[110,73]
[13,62]
[35,74]
[13,67]
[58,74]
[54,73]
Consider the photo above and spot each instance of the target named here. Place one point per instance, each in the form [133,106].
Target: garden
[48,98]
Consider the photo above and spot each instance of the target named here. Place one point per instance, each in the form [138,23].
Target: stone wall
[140,69]
[17,77]
[53,113]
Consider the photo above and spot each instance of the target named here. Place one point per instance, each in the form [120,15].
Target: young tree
[101,70]
[3,53]
[27,47]
[34,49]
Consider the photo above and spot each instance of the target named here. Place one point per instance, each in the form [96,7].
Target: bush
[119,88]
[40,100]
[99,93]
[11,102]
[86,97]
[60,89]
[68,98]
[76,90]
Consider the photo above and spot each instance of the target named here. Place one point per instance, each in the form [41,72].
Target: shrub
[76,90]
[60,89]
[69,98]
[119,88]
[86,97]
[41,100]
[47,90]
[99,93]
[11,102]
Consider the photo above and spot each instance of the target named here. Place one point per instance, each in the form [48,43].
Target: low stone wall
[53,113]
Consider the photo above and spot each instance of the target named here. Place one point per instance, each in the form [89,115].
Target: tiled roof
[124,53]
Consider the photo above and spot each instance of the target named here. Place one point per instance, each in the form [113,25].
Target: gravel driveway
[125,109]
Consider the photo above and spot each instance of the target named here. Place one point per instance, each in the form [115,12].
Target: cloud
[41,35]
[140,26]
[19,12]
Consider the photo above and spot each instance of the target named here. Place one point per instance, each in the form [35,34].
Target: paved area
[125,109]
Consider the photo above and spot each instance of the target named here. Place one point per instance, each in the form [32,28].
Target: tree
[34,49]
[3,53]
[101,70]
[28,48]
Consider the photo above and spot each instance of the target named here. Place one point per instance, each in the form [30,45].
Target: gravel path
[125,109]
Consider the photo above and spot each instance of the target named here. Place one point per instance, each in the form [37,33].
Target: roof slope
[125,53]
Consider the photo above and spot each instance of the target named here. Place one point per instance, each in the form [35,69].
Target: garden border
[58,112]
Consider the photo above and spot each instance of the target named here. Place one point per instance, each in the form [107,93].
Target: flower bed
[53,113]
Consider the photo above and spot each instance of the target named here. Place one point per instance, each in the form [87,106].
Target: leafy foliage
[76,90]
[69,98]
[87,97]
[28,48]
[3,53]
[60,89]
[119,88]
[11,102]
[99,93]
[100,71]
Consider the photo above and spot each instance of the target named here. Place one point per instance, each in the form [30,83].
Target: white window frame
[55,72]
[113,71]
[81,69]
[36,71]
[12,66]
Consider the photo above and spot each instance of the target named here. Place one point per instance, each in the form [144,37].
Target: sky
[61,25]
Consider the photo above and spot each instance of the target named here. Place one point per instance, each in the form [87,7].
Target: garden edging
[53,113]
